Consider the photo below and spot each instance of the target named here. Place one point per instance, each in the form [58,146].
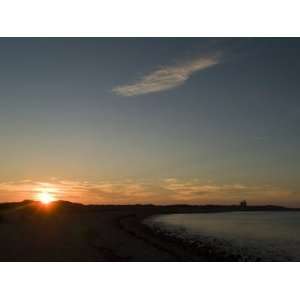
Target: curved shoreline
[180,249]
[256,246]
[209,248]
[72,232]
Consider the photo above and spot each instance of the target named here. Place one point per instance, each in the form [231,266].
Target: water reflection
[271,235]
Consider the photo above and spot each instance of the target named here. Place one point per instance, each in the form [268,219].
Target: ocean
[266,235]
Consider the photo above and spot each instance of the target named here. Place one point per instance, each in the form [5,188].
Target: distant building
[243,204]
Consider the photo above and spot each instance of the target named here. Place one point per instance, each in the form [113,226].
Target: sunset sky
[164,120]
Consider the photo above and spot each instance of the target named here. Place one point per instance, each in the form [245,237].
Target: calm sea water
[267,235]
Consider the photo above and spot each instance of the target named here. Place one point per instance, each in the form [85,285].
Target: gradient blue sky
[160,120]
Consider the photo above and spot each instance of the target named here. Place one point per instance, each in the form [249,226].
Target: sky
[150,120]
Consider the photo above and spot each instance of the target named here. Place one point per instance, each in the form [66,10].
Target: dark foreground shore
[64,231]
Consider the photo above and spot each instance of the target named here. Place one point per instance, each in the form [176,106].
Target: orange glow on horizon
[45,197]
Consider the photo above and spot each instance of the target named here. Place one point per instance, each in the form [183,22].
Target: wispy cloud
[167,191]
[193,191]
[167,77]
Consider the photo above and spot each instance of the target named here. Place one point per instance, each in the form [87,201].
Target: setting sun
[46,197]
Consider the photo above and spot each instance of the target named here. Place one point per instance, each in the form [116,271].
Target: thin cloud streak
[167,191]
[167,78]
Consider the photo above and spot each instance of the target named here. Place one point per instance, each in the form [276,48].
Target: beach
[64,231]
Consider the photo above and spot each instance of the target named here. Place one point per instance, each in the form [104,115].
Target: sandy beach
[63,231]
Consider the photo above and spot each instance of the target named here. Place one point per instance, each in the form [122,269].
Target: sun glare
[46,197]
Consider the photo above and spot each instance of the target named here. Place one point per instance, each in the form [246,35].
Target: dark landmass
[66,231]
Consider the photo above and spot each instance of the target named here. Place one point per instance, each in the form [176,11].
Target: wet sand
[63,231]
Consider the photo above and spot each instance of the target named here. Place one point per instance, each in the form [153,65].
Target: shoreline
[66,231]
[185,250]
[194,247]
